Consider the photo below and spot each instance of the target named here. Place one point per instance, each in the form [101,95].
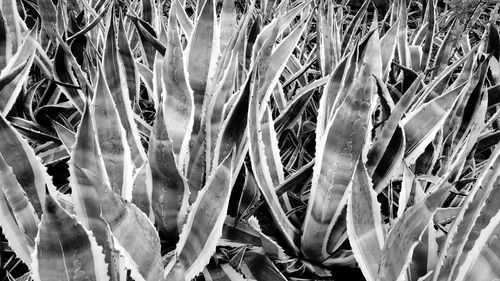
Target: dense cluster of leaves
[249,140]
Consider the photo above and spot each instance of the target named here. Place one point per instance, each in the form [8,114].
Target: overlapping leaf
[65,250]
[204,224]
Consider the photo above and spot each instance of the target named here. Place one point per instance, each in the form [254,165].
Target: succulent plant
[248,140]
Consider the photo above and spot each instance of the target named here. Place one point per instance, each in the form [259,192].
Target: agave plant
[219,140]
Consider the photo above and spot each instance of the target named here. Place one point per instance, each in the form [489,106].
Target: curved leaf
[114,72]
[63,73]
[126,56]
[170,192]
[383,139]
[466,219]
[263,177]
[422,124]
[12,88]
[202,55]
[337,150]
[134,235]
[178,97]
[65,250]
[14,234]
[21,207]
[112,140]
[364,223]
[85,154]
[405,234]
[26,166]
[13,27]
[204,225]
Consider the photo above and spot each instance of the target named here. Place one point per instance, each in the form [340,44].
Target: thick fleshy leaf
[337,150]
[249,196]
[446,215]
[72,66]
[128,60]
[96,21]
[282,22]
[13,27]
[202,56]
[63,73]
[350,32]
[297,105]
[4,54]
[170,192]
[370,53]
[326,50]
[263,177]
[112,140]
[388,47]
[405,234]
[422,124]
[466,110]
[177,94]
[48,13]
[12,77]
[240,232]
[204,225]
[403,50]
[234,127]
[383,140]
[429,39]
[134,235]
[85,154]
[272,151]
[364,223]
[147,36]
[114,72]
[65,250]
[336,90]
[486,243]
[146,76]
[214,114]
[184,20]
[484,265]
[21,207]
[26,166]
[439,84]
[149,39]
[223,272]
[275,63]
[481,235]
[389,166]
[259,267]
[222,97]
[273,157]
[228,23]
[140,193]
[445,49]
[464,225]
[66,136]
[14,234]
